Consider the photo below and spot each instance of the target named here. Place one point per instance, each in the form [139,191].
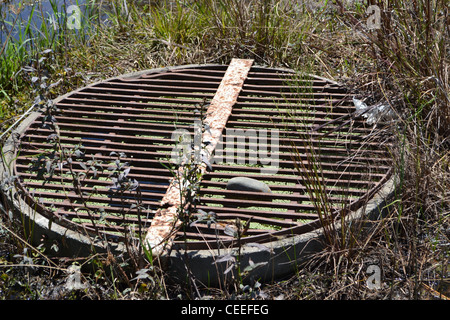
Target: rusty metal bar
[161,233]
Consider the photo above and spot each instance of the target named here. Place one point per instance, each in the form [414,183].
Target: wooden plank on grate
[164,225]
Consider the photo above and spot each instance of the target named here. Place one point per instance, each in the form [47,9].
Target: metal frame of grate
[127,123]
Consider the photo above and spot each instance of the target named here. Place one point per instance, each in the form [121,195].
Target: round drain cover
[100,161]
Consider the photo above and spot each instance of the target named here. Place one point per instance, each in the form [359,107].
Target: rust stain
[164,225]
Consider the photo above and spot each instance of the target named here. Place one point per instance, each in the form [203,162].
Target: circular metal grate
[100,162]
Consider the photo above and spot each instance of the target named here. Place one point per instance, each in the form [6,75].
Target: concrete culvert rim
[135,114]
